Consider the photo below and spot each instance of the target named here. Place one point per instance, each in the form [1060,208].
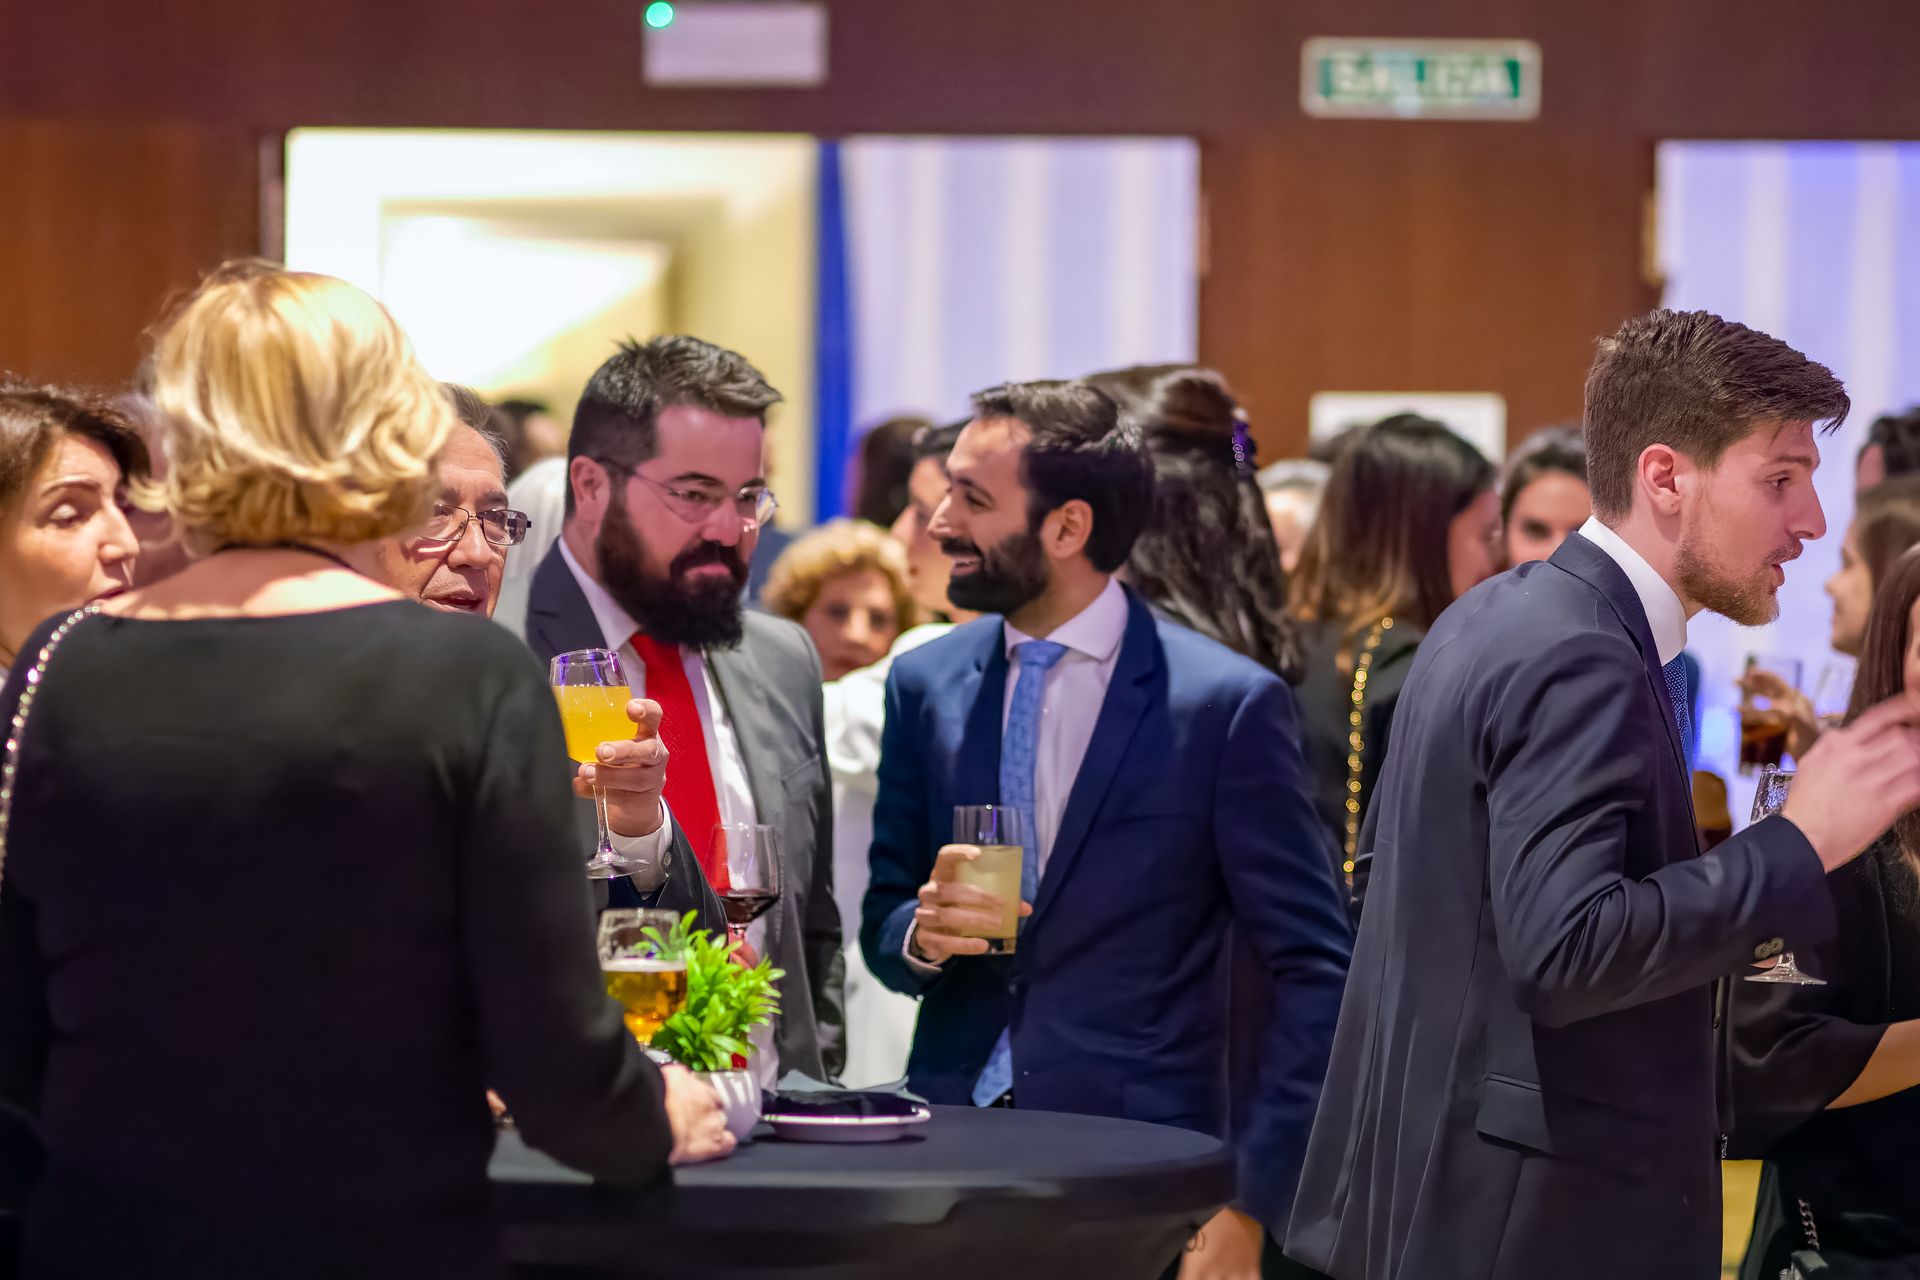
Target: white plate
[847,1128]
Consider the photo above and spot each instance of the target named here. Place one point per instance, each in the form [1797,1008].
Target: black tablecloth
[980,1194]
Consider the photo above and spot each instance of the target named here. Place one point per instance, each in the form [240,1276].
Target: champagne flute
[751,852]
[593,693]
[1770,798]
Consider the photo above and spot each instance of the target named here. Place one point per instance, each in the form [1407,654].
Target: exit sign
[1421,79]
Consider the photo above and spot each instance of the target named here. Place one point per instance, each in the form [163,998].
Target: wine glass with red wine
[752,856]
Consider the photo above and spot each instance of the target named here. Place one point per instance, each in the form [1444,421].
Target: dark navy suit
[1528,1076]
[1187,816]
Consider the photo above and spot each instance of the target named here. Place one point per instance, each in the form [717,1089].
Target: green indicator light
[659,14]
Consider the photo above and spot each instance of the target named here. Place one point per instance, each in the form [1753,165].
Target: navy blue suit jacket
[1188,816]
[1528,1075]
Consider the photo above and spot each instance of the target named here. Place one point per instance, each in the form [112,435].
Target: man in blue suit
[1527,1077]
[1162,775]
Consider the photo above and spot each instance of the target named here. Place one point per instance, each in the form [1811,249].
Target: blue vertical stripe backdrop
[833,344]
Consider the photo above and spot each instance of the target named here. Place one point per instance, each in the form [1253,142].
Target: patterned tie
[1019,748]
[690,792]
[1676,674]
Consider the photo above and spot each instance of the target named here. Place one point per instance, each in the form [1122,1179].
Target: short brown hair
[1697,383]
[32,420]
[1080,447]
[617,419]
[833,550]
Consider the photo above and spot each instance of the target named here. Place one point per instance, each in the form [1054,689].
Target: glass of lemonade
[999,832]
[593,693]
[649,983]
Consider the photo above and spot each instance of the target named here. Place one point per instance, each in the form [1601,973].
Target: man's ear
[591,488]
[1660,475]
[1065,531]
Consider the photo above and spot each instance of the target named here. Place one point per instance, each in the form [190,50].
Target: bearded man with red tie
[666,498]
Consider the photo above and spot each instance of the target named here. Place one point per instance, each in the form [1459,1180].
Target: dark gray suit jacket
[1527,1079]
[771,687]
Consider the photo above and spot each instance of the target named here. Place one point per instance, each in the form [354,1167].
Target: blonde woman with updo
[290,879]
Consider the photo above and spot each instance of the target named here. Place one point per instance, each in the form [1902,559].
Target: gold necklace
[1356,743]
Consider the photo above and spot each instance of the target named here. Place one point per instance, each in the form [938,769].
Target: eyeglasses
[500,527]
[754,503]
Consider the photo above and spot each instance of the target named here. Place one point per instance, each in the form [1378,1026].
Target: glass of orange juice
[593,693]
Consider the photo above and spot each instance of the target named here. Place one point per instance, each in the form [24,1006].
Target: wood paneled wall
[1342,255]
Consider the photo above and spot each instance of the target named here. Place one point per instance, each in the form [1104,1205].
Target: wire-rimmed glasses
[754,503]
[499,526]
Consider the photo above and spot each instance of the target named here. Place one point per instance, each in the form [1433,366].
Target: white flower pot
[740,1098]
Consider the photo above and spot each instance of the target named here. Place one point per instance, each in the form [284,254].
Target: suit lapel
[1137,678]
[559,619]
[1598,570]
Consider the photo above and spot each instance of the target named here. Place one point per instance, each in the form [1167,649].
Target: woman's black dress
[283,898]
[1799,1047]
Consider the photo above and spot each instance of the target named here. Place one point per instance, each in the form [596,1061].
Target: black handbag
[1815,1263]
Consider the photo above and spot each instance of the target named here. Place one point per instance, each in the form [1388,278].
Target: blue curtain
[833,344]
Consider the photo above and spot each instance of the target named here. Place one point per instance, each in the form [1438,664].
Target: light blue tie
[1676,674]
[1019,747]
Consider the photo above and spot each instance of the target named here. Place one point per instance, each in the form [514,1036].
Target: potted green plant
[710,1033]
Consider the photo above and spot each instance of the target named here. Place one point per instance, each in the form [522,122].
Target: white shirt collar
[616,625]
[1095,631]
[1665,614]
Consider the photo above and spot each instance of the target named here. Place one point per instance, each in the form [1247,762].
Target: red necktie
[690,791]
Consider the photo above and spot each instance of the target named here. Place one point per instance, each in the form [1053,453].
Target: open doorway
[866,277]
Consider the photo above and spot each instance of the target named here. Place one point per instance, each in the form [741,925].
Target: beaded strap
[1356,743]
[17,729]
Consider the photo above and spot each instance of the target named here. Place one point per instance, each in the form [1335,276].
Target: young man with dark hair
[1528,1076]
[666,499]
[1160,779]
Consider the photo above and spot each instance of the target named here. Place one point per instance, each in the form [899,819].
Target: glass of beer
[1769,798]
[650,984]
[999,832]
[1763,730]
[593,693]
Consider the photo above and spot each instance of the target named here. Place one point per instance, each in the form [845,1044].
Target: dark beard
[1011,575]
[1750,604]
[706,614]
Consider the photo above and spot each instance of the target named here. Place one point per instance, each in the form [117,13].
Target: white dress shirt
[1071,698]
[1665,614]
[724,761]
[1070,702]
